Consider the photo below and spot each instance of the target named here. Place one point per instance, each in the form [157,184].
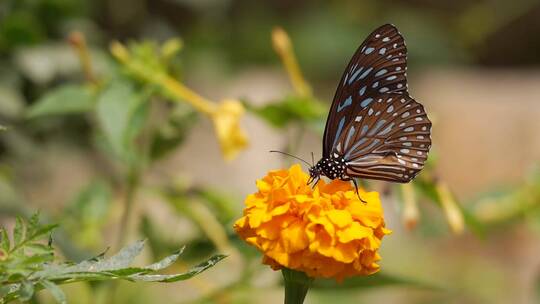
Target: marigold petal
[340,218]
[294,237]
[354,232]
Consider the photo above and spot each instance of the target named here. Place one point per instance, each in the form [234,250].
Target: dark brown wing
[388,140]
[378,67]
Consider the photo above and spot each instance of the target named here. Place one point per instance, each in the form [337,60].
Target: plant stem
[132,183]
[296,286]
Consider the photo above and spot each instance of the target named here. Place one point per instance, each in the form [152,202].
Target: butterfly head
[314,174]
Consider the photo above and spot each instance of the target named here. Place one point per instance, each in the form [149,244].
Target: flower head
[325,231]
[226,118]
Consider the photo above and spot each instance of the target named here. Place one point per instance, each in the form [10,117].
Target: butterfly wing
[388,140]
[377,67]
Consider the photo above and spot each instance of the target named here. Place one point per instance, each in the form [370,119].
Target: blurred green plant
[27,264]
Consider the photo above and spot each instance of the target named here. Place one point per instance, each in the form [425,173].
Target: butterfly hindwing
[377,67]
[387,140]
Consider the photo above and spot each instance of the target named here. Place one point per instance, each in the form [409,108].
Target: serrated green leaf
[18,231]
[43,230]
[55,291]
[33,223]
[37,248]
[123,258]
[37,259]
[4,240]
[67,99]
[119,261]
[121,112]
[179,277]
[166,262]
[26,291]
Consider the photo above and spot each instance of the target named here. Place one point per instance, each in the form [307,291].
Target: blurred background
[100,143]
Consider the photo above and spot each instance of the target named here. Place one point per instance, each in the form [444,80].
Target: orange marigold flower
[325,232]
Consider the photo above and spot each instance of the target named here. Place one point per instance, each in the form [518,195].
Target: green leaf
[67,99]
[172,132]
[180,277]
[4,240]
[43,230]
[121,112]
[221,203]
[123,258]
[18,231]
[92,203]
[291,109]
[33,223]
[26,291]
[37,248]
[376,280]
[55,291]
[166,262]
[35,261]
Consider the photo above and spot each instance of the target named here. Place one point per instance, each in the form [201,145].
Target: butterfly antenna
[312,159]
[285,153]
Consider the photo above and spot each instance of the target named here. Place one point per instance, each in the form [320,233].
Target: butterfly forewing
[377,67]
[388,140]
[374,125]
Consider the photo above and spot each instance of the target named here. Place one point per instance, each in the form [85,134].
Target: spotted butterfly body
[375,130]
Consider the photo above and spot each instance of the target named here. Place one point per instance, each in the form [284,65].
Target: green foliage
[25,253]
[121,111]
[172,132]
[26,264]
[66,99]
[379,279]
[290,109]
[86,215]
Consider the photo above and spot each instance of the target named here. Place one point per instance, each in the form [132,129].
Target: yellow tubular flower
[226,119]
[225,115]
[283,47]
[454,216]
[325,232]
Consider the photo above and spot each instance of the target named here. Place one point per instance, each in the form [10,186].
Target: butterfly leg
[357,192]
[315,181]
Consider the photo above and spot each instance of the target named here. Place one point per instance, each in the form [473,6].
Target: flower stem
[175,89]
[132,182]
[296,286]
[78,42]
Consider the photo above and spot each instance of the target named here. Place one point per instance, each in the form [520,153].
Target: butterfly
[375,129]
